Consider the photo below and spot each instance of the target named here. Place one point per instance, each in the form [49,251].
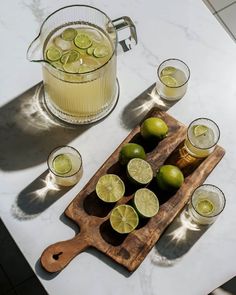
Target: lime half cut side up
[139,171]
[62,164]
[53,54]
[124,219]
[199,130]
[146,202]
[110,188]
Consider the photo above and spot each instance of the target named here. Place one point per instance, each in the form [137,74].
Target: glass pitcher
[87,93]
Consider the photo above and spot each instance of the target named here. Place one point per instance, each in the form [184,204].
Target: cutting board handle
[57,256]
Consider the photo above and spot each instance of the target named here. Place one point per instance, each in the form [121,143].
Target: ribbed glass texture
[79,98]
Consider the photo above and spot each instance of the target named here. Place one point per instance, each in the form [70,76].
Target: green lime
[90,50]
[199,130]
[205,207]
[154,128]
[70,56]
[110,188]
[146,203]
[83,41]
[62,164]
[169,81]
[130,151]
[169,178]
[124,219]
[69,34]
[168,71]
[72,67]
[139,171]
[53,54]
[101,51]
[57,65]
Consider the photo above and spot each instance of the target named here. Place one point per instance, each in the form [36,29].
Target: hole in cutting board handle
[56,256]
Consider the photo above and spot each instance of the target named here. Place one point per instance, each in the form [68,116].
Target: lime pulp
[53,54]
[101,51]
[146,202]
[110,188]
[199,130]
[205,207]
[139,171]
[83,41]
[69,34]
[124,219]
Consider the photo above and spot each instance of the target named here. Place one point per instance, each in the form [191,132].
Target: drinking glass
[206,204]
[202,136]
[65,165]
[172,79]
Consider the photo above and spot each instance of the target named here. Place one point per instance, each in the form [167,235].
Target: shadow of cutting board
[92,215]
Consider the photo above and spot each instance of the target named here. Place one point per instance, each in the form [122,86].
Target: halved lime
[90,50]
[101,51]
[70,56]
[168,71]
[72,67]
[124,219]
[83,41]
[139,171]
[110,188]
[205,207]
[69,34]
[146,202]
[199,130]
[169,81]
[53,54]
[62,164]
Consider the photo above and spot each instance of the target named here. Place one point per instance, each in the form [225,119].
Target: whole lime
[169,178]
[154,129]
[130,151]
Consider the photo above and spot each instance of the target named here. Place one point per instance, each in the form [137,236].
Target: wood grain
[92,215]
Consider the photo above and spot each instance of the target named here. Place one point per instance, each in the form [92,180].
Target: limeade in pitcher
[74,83]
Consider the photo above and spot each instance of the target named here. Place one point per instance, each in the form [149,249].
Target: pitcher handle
[121,24]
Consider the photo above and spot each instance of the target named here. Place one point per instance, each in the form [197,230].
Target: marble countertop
[34,216]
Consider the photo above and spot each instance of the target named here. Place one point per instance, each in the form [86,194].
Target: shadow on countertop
[179,237]
[29,132]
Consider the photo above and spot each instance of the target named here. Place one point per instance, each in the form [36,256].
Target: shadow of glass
[177,240]
[37,197]
[29,132]
[135,111]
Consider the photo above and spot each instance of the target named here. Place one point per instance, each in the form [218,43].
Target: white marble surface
[184,29]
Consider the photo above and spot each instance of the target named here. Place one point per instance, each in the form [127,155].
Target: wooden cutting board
[92,215]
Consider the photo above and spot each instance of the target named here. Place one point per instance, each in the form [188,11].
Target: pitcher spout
[34,52]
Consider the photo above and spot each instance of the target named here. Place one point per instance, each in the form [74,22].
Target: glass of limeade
[65,165]
[202,136]
[77,47]
[172,79]
[206,204]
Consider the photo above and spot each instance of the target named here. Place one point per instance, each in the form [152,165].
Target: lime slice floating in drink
[146,203]
[124,219]
[62,164]
[199,130]
[85,68]
[169,81]
[70,56]
[205,207]
[101,51]
[139,171]
[168,71]
[110,188]
[90,50]
[69,34]
[83,41]
[53,54]
[71,67]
